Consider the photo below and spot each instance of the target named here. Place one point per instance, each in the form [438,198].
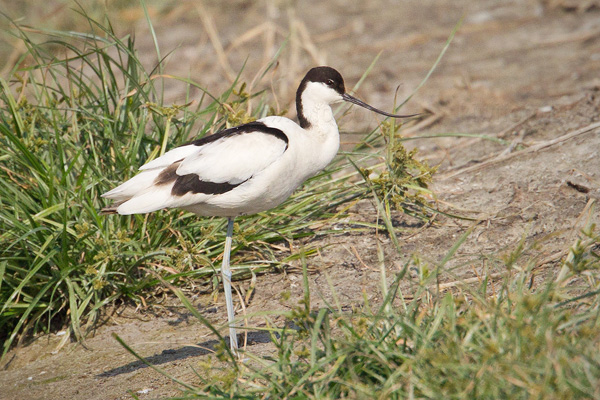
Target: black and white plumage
[246,169]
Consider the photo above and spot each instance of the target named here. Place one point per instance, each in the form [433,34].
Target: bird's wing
[231,155]
[235,155]
[212,165]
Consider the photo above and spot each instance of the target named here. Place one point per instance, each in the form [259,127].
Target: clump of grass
[66,125]
[517,341]
[79,113]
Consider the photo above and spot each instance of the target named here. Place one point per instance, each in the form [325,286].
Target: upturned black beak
[356,101]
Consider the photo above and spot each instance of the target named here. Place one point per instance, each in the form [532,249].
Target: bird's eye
[330,82]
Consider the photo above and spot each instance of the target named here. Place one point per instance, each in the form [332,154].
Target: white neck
[319,115]
[313,101]
[322,130]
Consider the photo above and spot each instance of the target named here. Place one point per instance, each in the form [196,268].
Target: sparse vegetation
[496,339]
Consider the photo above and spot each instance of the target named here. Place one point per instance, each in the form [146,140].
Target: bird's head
[326,85]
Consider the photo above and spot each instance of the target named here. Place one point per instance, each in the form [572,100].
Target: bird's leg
[226,272]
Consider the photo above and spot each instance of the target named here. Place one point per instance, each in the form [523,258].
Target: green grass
[506,339]
[74,126]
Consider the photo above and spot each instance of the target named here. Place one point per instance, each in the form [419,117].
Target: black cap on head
[328,76]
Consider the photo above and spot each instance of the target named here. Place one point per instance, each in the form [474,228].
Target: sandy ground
[523,71]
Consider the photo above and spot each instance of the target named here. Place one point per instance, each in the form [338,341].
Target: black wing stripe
[192,183]
[238,130]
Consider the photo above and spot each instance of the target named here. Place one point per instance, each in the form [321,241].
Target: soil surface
[526,72]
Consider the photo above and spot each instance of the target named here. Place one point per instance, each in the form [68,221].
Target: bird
[245,169]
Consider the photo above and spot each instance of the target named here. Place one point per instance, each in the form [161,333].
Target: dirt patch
[524,72]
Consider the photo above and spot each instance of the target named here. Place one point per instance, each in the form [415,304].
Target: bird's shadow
[170,355]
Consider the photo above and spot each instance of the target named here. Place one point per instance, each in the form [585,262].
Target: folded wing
[207,167]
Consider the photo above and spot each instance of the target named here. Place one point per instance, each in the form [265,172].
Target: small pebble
[545,109]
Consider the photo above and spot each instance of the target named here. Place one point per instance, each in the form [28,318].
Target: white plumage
[246,169]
